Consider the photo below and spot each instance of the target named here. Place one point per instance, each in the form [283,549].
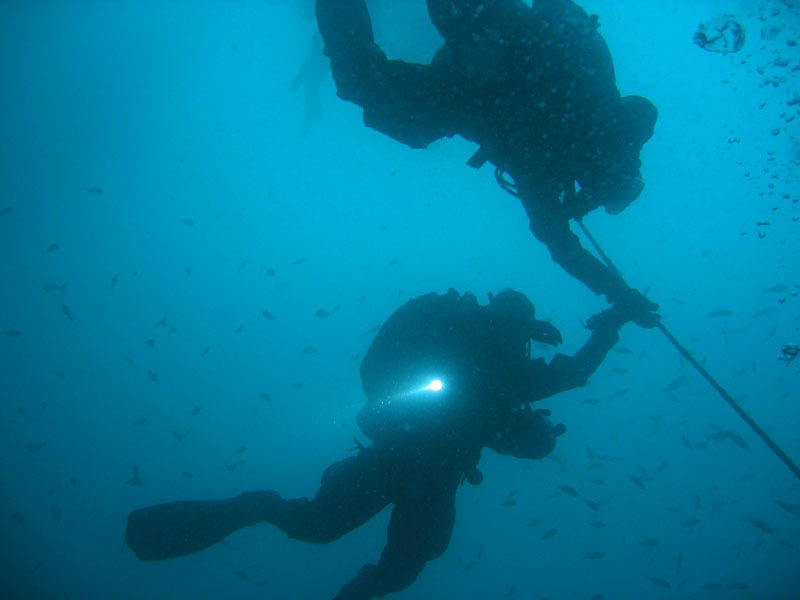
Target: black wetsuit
[534,86]
[419,468]
[425,443]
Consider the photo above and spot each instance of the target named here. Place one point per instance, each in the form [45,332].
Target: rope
[779,452]
[511,188]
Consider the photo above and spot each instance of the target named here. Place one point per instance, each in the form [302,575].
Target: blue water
[189,186]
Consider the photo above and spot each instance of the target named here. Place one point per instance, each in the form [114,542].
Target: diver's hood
[515,313]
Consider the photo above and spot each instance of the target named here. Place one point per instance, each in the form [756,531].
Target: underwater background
[199,239]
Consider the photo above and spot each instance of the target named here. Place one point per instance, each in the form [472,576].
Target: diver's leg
[419,531]
[352,491]
[175,529]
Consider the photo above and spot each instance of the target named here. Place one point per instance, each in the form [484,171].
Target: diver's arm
[568,372]
[406,101]
[549,222]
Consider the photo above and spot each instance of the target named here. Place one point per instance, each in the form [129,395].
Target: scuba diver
[534,86]
[444,377]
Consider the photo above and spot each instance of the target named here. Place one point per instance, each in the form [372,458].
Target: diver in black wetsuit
[444,377]
[534,86]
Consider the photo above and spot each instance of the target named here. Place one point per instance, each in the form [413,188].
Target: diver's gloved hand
[633,305]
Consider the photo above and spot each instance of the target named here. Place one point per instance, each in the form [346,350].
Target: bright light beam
[434,386]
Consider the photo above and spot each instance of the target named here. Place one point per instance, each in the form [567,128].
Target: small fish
[232,466]
[620,350]
[242,575]
[792,509]
[298,261]
[114,279]
[509,503]
[297,385]
[268,315]
[534,522]
[56,512]
[470,565]
[310,349]
[54,287]
[162,322]
[206,350]
[723,434]
[691,522]
[151,343]
[679,561]
[52,248]
[60,374]
[720,312]
[153,376]
[595,466]
[596,524]
[662,583]
[94,190]
[196,410]
[787,544]
[241,449]
[548,534]
[181,436]
[270,272]
[187,474]
[187,221]
[675,384]
[18,518]
[759,524]
[594,555]
[711,586]
[776,289]
[265,397]
[650,542]
[764,312]
[37,566]
[4,211]
[595,480]
[322,313]
[569,490]
[13,332]
[36,447]
[620,371]
[738,586]
[592,401]
[391,263]
[619,393]
[67,312]
[239,329]
[637,481]
[510,592]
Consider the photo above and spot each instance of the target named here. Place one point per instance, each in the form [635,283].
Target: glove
[635,307]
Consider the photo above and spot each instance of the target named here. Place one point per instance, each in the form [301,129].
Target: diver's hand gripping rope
[779,452]
[511,188]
